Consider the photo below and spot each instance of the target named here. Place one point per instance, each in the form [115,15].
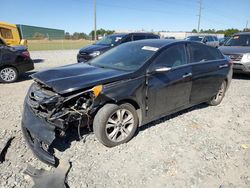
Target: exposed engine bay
[54,115]
[60,111]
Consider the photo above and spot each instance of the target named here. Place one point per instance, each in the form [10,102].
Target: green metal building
[33,32]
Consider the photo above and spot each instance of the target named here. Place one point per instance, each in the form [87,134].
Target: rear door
[170,90]
[209,69]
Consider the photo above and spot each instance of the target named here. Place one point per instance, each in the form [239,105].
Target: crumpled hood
[94,47]
[78,76]
[234,49]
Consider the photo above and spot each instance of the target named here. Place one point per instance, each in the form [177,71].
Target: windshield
[110,40]
[194,38]
[239,40]
[125,57]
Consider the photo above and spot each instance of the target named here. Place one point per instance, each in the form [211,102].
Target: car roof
[202,36]
[118,34]
[243,33]
[124,34]
[159,43]
[197,36]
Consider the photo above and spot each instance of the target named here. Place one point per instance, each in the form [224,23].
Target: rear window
[203,53]
[6,33]
[152,37]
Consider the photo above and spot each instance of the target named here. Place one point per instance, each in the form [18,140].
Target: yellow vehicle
[11,35]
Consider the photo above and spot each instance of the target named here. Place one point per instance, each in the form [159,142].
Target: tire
[111,130]
[216,100]
[8,75]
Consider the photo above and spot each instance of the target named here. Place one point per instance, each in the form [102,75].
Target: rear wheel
[8,74]
[114,124]
[216,100]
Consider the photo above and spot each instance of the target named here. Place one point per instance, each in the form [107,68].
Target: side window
[215,38]
[152,37]
[139,37]
[172,57]
[6,33]
[209,39]
[127,39]
[202,53]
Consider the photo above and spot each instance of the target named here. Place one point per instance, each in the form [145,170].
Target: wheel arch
[133,102]
[12,66]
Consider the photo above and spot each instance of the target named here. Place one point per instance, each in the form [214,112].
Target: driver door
[168,91]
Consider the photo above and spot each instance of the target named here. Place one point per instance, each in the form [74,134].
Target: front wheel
[115,124]
[216,100]
[8,75]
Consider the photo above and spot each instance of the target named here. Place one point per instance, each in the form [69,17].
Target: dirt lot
[204,146]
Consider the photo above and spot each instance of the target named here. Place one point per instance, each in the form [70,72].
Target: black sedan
[110,41]
[126,87]
[13,62]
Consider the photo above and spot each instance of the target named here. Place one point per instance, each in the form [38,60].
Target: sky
[149,15]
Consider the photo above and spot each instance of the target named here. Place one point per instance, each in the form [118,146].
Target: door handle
[223,66]
[187,75]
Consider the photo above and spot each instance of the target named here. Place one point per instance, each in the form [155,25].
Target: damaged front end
[47,115]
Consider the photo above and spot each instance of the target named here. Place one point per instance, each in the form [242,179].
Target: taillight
[26,54]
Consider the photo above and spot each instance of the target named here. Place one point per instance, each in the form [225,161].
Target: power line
[199,19]
[95,19]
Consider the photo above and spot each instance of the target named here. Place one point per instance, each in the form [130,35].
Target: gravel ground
[200,147]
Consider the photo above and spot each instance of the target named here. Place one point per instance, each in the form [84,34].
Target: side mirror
[205,41]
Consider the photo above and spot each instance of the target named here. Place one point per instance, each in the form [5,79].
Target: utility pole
[247,24]
[199,15]
[95,19]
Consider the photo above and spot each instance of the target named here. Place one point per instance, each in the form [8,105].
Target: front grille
[83,56]
[83,53]
[235,57]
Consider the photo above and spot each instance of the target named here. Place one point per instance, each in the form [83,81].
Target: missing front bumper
[38,133]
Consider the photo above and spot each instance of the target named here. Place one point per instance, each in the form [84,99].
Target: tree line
[226,32]
[90,36]
[103,32]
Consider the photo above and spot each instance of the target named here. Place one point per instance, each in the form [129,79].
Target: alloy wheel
[119,125]
[8,74]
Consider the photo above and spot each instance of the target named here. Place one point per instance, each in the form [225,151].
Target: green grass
[38,45]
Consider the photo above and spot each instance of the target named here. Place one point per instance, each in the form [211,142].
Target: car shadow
[38,60]
[25,76]
[241,76]
[64,143]
[171,116]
